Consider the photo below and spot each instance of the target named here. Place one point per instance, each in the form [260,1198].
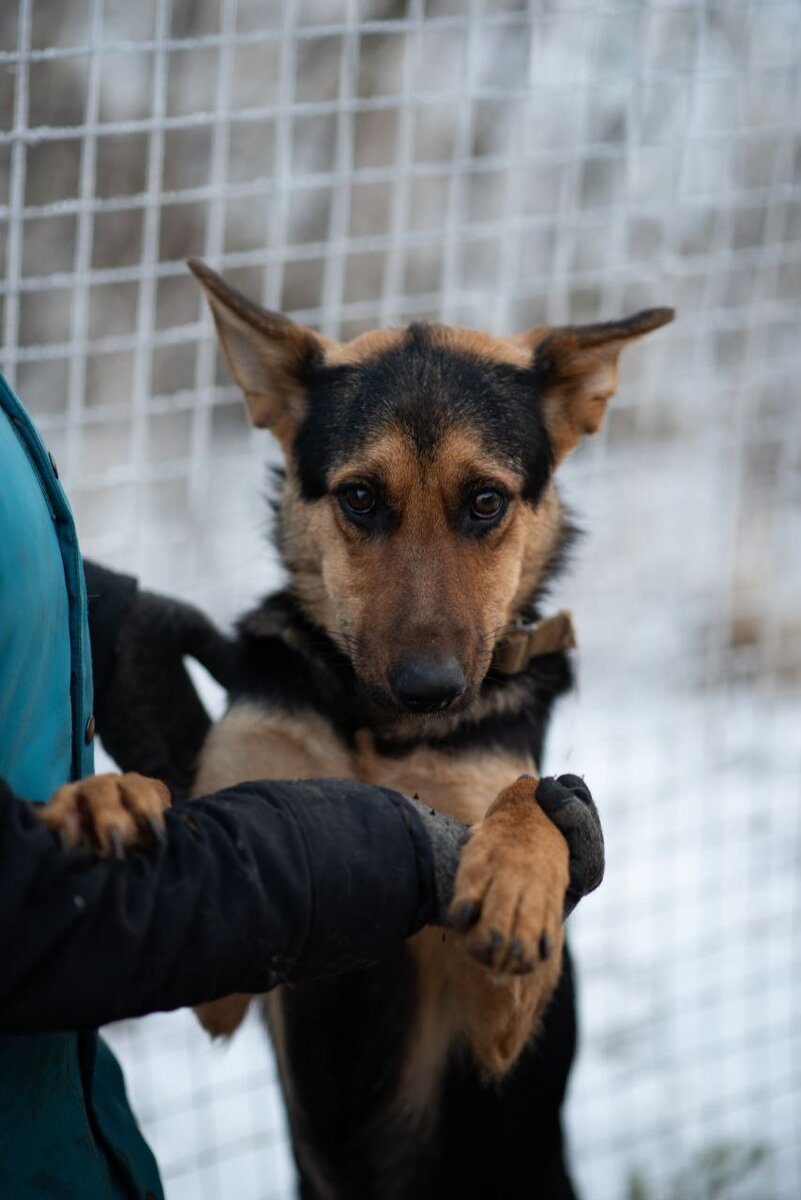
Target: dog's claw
[544,946]
[467,915]
[517,948]
[156,827]
[482,954]
[496,938]
[117,844]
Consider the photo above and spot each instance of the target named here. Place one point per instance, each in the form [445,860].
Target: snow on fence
[493,164]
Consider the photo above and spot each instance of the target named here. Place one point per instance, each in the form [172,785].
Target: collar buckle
[526,640]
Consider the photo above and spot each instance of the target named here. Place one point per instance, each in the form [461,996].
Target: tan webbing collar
[530,639]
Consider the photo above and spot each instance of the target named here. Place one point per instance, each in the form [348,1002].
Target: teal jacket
[67,1130]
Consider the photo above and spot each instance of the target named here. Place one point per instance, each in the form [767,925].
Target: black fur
[345,1038]
[424,388]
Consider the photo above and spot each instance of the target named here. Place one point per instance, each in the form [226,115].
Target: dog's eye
[357,499]
[487,504]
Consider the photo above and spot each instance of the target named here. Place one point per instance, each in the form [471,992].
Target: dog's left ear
[578,368]
[268,355]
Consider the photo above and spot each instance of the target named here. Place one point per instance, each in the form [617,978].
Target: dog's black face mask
[425,389]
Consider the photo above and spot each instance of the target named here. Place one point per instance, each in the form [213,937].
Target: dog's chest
[251,742]
[462,784]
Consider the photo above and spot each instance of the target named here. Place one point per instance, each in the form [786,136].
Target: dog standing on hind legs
[419,523]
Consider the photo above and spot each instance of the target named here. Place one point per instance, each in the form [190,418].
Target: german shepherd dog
[419,523]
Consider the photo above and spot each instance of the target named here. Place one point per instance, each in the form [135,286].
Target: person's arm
[262,883]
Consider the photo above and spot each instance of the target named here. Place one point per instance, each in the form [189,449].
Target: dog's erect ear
[578,366]
[266,352]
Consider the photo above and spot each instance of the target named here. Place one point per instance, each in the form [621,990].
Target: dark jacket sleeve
[265,883]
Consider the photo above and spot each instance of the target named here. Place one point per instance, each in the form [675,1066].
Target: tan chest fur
[250,743]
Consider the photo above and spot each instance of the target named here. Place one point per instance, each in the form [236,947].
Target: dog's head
[419,513]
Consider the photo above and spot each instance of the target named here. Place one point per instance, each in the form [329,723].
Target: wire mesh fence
[495,165]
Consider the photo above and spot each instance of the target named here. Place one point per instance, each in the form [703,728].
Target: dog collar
[530,639]
[522,642]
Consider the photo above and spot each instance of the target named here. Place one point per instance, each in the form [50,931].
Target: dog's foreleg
[507,913]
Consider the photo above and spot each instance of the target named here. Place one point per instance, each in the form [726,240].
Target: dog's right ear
[268,355]
[577,365]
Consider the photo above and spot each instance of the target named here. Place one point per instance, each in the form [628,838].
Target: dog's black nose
[425,683]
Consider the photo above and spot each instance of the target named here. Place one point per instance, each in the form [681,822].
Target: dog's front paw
[510,887]
[108,813]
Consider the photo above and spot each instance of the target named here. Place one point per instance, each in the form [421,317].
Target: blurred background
[493,164]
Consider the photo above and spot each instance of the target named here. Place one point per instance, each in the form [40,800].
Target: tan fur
[463,785]
[363,347]
[250,743]
[467,341]
[485,345]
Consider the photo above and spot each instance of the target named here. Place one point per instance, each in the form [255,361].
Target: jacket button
[89,732]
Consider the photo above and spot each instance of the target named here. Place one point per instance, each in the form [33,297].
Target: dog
[420,525]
